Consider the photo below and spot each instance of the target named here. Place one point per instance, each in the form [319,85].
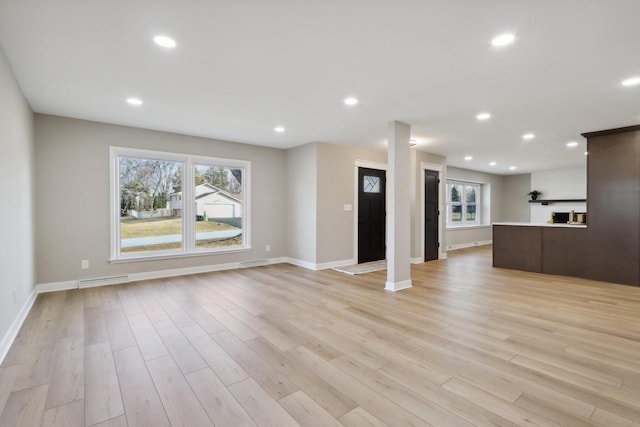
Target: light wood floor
[281,345]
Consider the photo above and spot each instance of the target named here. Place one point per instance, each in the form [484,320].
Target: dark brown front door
[431,214]
[371,214]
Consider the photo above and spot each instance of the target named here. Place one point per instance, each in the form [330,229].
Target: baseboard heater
[256,263]
[102,281]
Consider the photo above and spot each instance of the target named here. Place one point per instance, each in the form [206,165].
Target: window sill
[468,227]
[155,257]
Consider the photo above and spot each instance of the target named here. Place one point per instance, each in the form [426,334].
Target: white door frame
[425,166]
[361,164]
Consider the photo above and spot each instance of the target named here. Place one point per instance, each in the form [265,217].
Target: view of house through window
[218,194]
[463,203]
[159,214]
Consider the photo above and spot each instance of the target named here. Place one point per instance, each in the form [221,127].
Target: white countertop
[541,224]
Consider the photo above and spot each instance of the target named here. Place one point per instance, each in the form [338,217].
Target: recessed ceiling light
[503,39]
[632,81]
[351,101]
[586,153]
[165,41]
[492,163]
[134,101]
[467,158]
[572,144]
[512,168]
[279,129]
[528,136]
[483,116]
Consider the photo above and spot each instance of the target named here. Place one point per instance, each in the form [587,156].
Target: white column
[398,208]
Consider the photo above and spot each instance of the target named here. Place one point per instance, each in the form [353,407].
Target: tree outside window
[462,203]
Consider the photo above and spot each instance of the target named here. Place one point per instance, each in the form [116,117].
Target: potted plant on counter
[534,194]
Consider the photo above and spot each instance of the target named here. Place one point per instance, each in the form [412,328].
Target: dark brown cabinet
[613,194]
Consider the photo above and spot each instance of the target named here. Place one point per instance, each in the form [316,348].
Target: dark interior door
[371,214]
[431,215]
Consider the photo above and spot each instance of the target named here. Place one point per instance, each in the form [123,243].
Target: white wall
[72,175]
[17,213]
[558,184]
[301,191]
[515,201]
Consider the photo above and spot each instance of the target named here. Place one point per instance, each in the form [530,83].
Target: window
[166,204]
[463,203]
[371,184]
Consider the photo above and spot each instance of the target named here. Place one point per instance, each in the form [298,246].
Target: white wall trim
[370,164]
[320,266]
[425,166]
[279,260]
[300,263]
[397,286]
[12,332]
[103,281]
[159,274]
[417,260]
[42,288]
[333,264]
[469,245]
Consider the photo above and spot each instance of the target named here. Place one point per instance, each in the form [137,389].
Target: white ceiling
[242,67]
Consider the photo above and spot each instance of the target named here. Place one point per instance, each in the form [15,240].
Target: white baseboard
[321,266]
[397,286]
[159,274]
[334,264]
[300,263]
[469,245]
[416,260]
[12,333]
[42,288]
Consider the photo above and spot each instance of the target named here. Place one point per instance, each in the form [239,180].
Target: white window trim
[478,204]
[188,226]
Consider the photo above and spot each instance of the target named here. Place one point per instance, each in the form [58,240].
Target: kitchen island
[541,248]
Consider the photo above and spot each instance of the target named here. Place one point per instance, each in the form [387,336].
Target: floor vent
[102,281]
[256,263]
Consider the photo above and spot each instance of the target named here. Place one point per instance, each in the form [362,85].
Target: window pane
[456,213]
[471,194]
[149,221]
[218,206]
[471,213]
[456,193]
[371,184]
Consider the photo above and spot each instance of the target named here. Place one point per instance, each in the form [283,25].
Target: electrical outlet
[84,264]
[268,248]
